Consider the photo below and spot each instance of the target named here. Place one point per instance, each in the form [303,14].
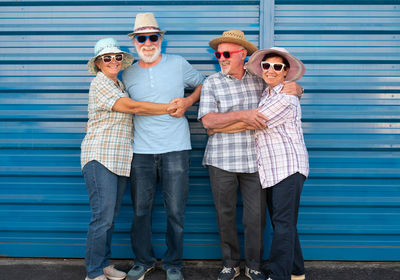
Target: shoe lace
[226,270]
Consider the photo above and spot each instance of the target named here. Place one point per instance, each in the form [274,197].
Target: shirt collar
[246,73]
[275,90]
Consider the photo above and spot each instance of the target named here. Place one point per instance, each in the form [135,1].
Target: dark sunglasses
[278,67]
[108,58]
[226,54]
[143,38]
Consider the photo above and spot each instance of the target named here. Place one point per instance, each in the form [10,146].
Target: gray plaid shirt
[233,152]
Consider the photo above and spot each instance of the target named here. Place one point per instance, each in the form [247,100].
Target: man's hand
[182,104]
[292,88]
[210,132]
[254,118]
[172,109]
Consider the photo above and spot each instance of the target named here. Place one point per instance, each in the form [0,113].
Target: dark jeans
[286,257]
[224,186]
[105,190]
[172,171]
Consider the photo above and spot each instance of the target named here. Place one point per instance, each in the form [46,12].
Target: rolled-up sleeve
[208,102]
[279,109]
[105,95]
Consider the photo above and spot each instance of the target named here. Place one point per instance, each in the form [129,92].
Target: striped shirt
[280,147]
[233,152]
[109,133]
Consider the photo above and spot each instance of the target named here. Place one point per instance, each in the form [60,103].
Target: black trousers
[283,201]
[224,186]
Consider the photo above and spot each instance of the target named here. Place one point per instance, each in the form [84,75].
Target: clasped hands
[178,107]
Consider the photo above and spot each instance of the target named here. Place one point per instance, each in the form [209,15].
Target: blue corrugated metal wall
[44,47]
[350,208]
[350,205]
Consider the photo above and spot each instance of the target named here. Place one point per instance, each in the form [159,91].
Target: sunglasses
[226,54]
[108,58]
[143,38]
[278,67]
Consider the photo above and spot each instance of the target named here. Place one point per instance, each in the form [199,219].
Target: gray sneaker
[138,272]
[229,273]
[174,274]
[113,274]
[101,277]
[254,274]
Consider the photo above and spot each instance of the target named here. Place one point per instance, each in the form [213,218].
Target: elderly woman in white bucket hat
[106,151]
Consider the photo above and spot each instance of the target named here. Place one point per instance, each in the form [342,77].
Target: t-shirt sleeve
[192,77]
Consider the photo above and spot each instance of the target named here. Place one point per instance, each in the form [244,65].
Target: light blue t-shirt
[161,83]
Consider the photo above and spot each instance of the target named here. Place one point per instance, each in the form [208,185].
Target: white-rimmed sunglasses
[278,67]
[108,58]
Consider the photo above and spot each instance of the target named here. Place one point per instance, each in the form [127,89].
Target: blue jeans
[105,191]
[172,171]
[286,257]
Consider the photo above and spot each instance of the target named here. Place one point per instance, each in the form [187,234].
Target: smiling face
[272,77]
[110,69]
[234,64]
[148,51]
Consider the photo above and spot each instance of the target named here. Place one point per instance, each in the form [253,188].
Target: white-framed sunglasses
[108,58]
[278,67]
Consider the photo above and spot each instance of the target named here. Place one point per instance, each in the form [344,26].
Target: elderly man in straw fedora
[230,96]
[161,146]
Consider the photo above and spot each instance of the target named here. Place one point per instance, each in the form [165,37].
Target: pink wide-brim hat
[296,70]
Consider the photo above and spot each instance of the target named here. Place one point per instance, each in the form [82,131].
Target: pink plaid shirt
[280,147]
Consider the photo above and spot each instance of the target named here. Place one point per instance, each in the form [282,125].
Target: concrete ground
[74,269]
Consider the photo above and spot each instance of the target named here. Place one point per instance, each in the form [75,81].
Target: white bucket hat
[296,70]
[108,45]
[145,23]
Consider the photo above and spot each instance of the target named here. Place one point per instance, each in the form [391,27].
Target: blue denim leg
[143,187]
[174,170]
[285,200]
[105,191]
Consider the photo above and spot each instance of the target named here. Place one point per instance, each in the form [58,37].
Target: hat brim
[132,35]
[296,70]
[128,60]
[250,47]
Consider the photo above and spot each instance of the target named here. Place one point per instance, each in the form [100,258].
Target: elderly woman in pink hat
[281,156]
[106,151]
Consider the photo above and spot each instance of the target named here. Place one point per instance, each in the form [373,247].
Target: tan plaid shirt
[109,134]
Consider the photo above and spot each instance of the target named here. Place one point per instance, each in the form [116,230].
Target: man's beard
[226,70]
[148,59]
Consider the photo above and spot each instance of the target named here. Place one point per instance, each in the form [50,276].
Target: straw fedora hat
[296,70]
[145,23]
[235,37]
[108,45]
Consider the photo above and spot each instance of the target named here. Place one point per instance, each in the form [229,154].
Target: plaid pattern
[109,134]
[281,150]
[233,152]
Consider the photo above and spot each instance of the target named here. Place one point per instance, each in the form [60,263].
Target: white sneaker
[101,277]
[113,274]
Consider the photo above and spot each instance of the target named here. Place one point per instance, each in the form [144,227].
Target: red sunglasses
[226,54]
